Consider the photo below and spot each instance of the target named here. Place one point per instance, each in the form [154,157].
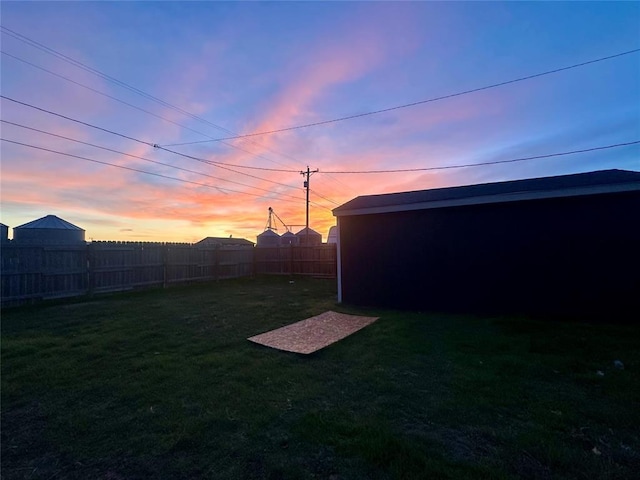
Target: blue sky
[252,67]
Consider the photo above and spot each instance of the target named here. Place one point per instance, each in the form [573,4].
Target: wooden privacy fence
[44,272]
[318,261]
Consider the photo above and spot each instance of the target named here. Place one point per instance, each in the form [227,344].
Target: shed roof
[224,241]
[50,222]
[603,181]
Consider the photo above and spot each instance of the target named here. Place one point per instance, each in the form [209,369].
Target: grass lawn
[163,384]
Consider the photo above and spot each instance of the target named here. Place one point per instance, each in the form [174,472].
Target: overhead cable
[83,66]
[480,164]
[76,121]
[150,113]
[220,189]
[324,198]
[209,162]
[420,102]
[147,159]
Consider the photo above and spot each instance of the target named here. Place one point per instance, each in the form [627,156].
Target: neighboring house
[224,242]
[557,245]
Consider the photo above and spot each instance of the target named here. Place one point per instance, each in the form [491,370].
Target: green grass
[163,384]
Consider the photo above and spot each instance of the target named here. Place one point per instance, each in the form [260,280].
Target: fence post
[254,263]
[90,269]
[165,260]
[216,262]
[291,248]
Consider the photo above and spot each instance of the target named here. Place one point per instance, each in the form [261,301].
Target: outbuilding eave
[592,183]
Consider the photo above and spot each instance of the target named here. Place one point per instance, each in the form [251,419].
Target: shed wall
[563,256]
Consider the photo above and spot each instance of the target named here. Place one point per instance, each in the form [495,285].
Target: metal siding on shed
[565,255]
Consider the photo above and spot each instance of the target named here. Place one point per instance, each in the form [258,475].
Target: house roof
[224,241]
[591,183]
[50,222]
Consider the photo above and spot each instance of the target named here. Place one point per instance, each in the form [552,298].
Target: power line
[224,167]
[99,92]
[76,121]
[220,189]
[150,113]
[335,180]
[209,162]
[446,167]
[78,64]
[324,198]
[421,102]
[146,159]
[83,66]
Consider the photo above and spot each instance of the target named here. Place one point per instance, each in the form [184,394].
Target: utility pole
[308,174]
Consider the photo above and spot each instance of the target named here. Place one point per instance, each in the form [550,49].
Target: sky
[164,82]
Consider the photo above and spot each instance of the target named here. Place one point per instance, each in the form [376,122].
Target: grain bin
[289,239]
[49,230]
[268,238]
[309,237]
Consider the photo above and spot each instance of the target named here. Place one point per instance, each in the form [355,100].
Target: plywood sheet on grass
[312,334]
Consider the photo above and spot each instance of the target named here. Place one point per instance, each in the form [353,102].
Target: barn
[556,245]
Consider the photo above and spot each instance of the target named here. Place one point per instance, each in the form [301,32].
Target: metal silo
[309,237]
[289,238]
[49,230]
[268,238]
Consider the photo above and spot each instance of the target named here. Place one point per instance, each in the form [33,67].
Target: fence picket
[31,273]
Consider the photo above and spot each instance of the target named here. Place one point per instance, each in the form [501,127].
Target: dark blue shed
[561,245]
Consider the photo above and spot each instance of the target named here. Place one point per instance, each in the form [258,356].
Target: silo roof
[304,232]
[270,233]
[50,222]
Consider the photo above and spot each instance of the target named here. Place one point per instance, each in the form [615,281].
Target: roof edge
[499,198]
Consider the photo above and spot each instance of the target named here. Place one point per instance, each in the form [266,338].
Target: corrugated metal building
[289,239]
[308,237]
[268,238]
[560,245]
[48,230]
